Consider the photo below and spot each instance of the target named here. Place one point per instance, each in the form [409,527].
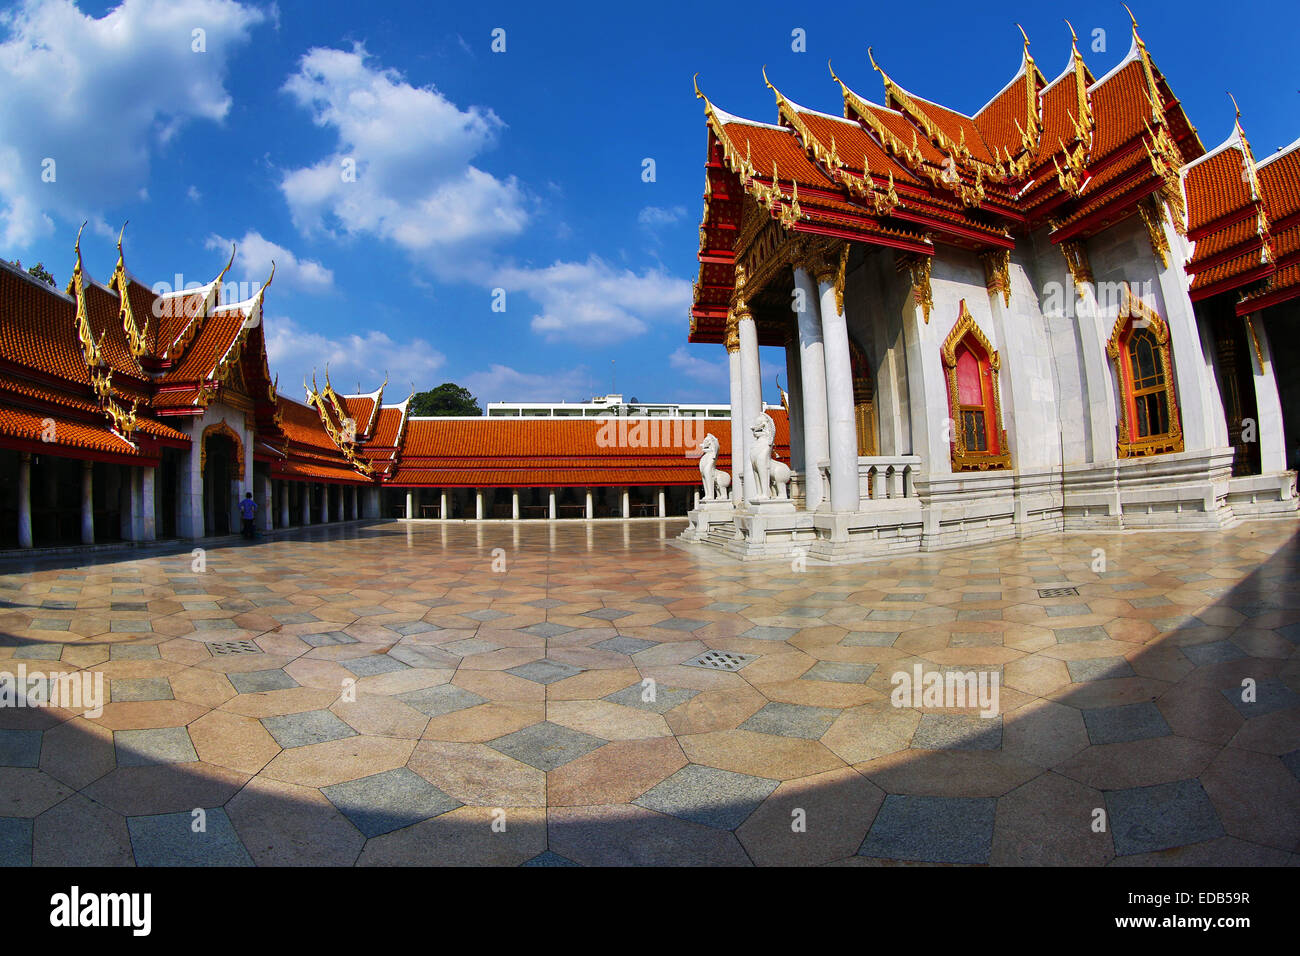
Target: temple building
[127,415]
[1060,312]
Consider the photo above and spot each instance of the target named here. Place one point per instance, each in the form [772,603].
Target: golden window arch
[971,365]
[1148,402]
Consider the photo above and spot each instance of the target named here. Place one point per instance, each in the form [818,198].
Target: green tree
[37,271]
[447,399]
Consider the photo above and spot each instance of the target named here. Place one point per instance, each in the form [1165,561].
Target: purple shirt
[247,508]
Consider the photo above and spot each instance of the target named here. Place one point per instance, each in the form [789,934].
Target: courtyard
[502,693]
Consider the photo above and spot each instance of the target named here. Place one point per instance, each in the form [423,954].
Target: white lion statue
[716,482]
[708,465]
[771,477]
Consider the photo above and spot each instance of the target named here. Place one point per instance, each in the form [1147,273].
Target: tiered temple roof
[1072,156]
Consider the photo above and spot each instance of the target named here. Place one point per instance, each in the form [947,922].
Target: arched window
[971,365]
[1148,408]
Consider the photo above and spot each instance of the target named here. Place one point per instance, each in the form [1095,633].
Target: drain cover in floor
[721,660]
[1058,592]
[234,647]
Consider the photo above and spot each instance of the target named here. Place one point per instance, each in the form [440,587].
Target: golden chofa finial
[874,66]
[1074,37]
[1026,36]
[119,239]
[1133,20]
[767,81]
[698,94]
[223,272]
[1235,106]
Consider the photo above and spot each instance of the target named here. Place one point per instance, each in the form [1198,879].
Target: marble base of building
[1183,491]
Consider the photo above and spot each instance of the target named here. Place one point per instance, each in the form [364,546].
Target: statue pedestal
[770,506]
[708,514]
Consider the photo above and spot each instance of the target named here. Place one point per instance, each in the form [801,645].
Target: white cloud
[653,217]
[500,383]
[594,303]
[411,149]
[253,263]
[687,360]
[99,97]
[296,352]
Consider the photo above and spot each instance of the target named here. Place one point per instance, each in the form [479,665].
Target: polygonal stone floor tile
[870,639]
[840,672]
[174,839]
[1269,693]
[373,665]
[1145,819]
[309,727]
[140,748]
[544,671]
[546,629]
[548,858]
[441,699]
[15,841]
[1128,722]
[546,745]
[770,633]
[469,647]
[257,682]
[625,645]
[607,613]
[1099,668]
[388,801]
[958,732]
[707,795]
[792,720]
[661,698]
[328,638]
[20,748]
[932,829]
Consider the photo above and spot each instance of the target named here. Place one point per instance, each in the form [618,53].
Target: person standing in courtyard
[248,511]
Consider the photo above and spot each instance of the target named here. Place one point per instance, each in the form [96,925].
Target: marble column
[442,503]
[812,370]
[751,392]
[284,504]
[410,504]
[148,503]
[25,500]
[591,511]
[478,504]
[627,503]
[840,425]
[87,502]
[794,396]
[514,504]
[663,504]
[1269,430]
[737,412]
[550,501]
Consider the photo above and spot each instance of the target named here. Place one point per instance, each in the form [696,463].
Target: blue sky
[478,170]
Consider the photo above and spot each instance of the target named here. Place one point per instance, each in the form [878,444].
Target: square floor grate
[221,648]
[1058,592]
[721,660]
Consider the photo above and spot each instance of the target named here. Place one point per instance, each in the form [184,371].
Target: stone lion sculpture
[771,477]
[716,482]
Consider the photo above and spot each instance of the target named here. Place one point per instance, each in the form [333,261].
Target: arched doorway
[222,461]
[864,401]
